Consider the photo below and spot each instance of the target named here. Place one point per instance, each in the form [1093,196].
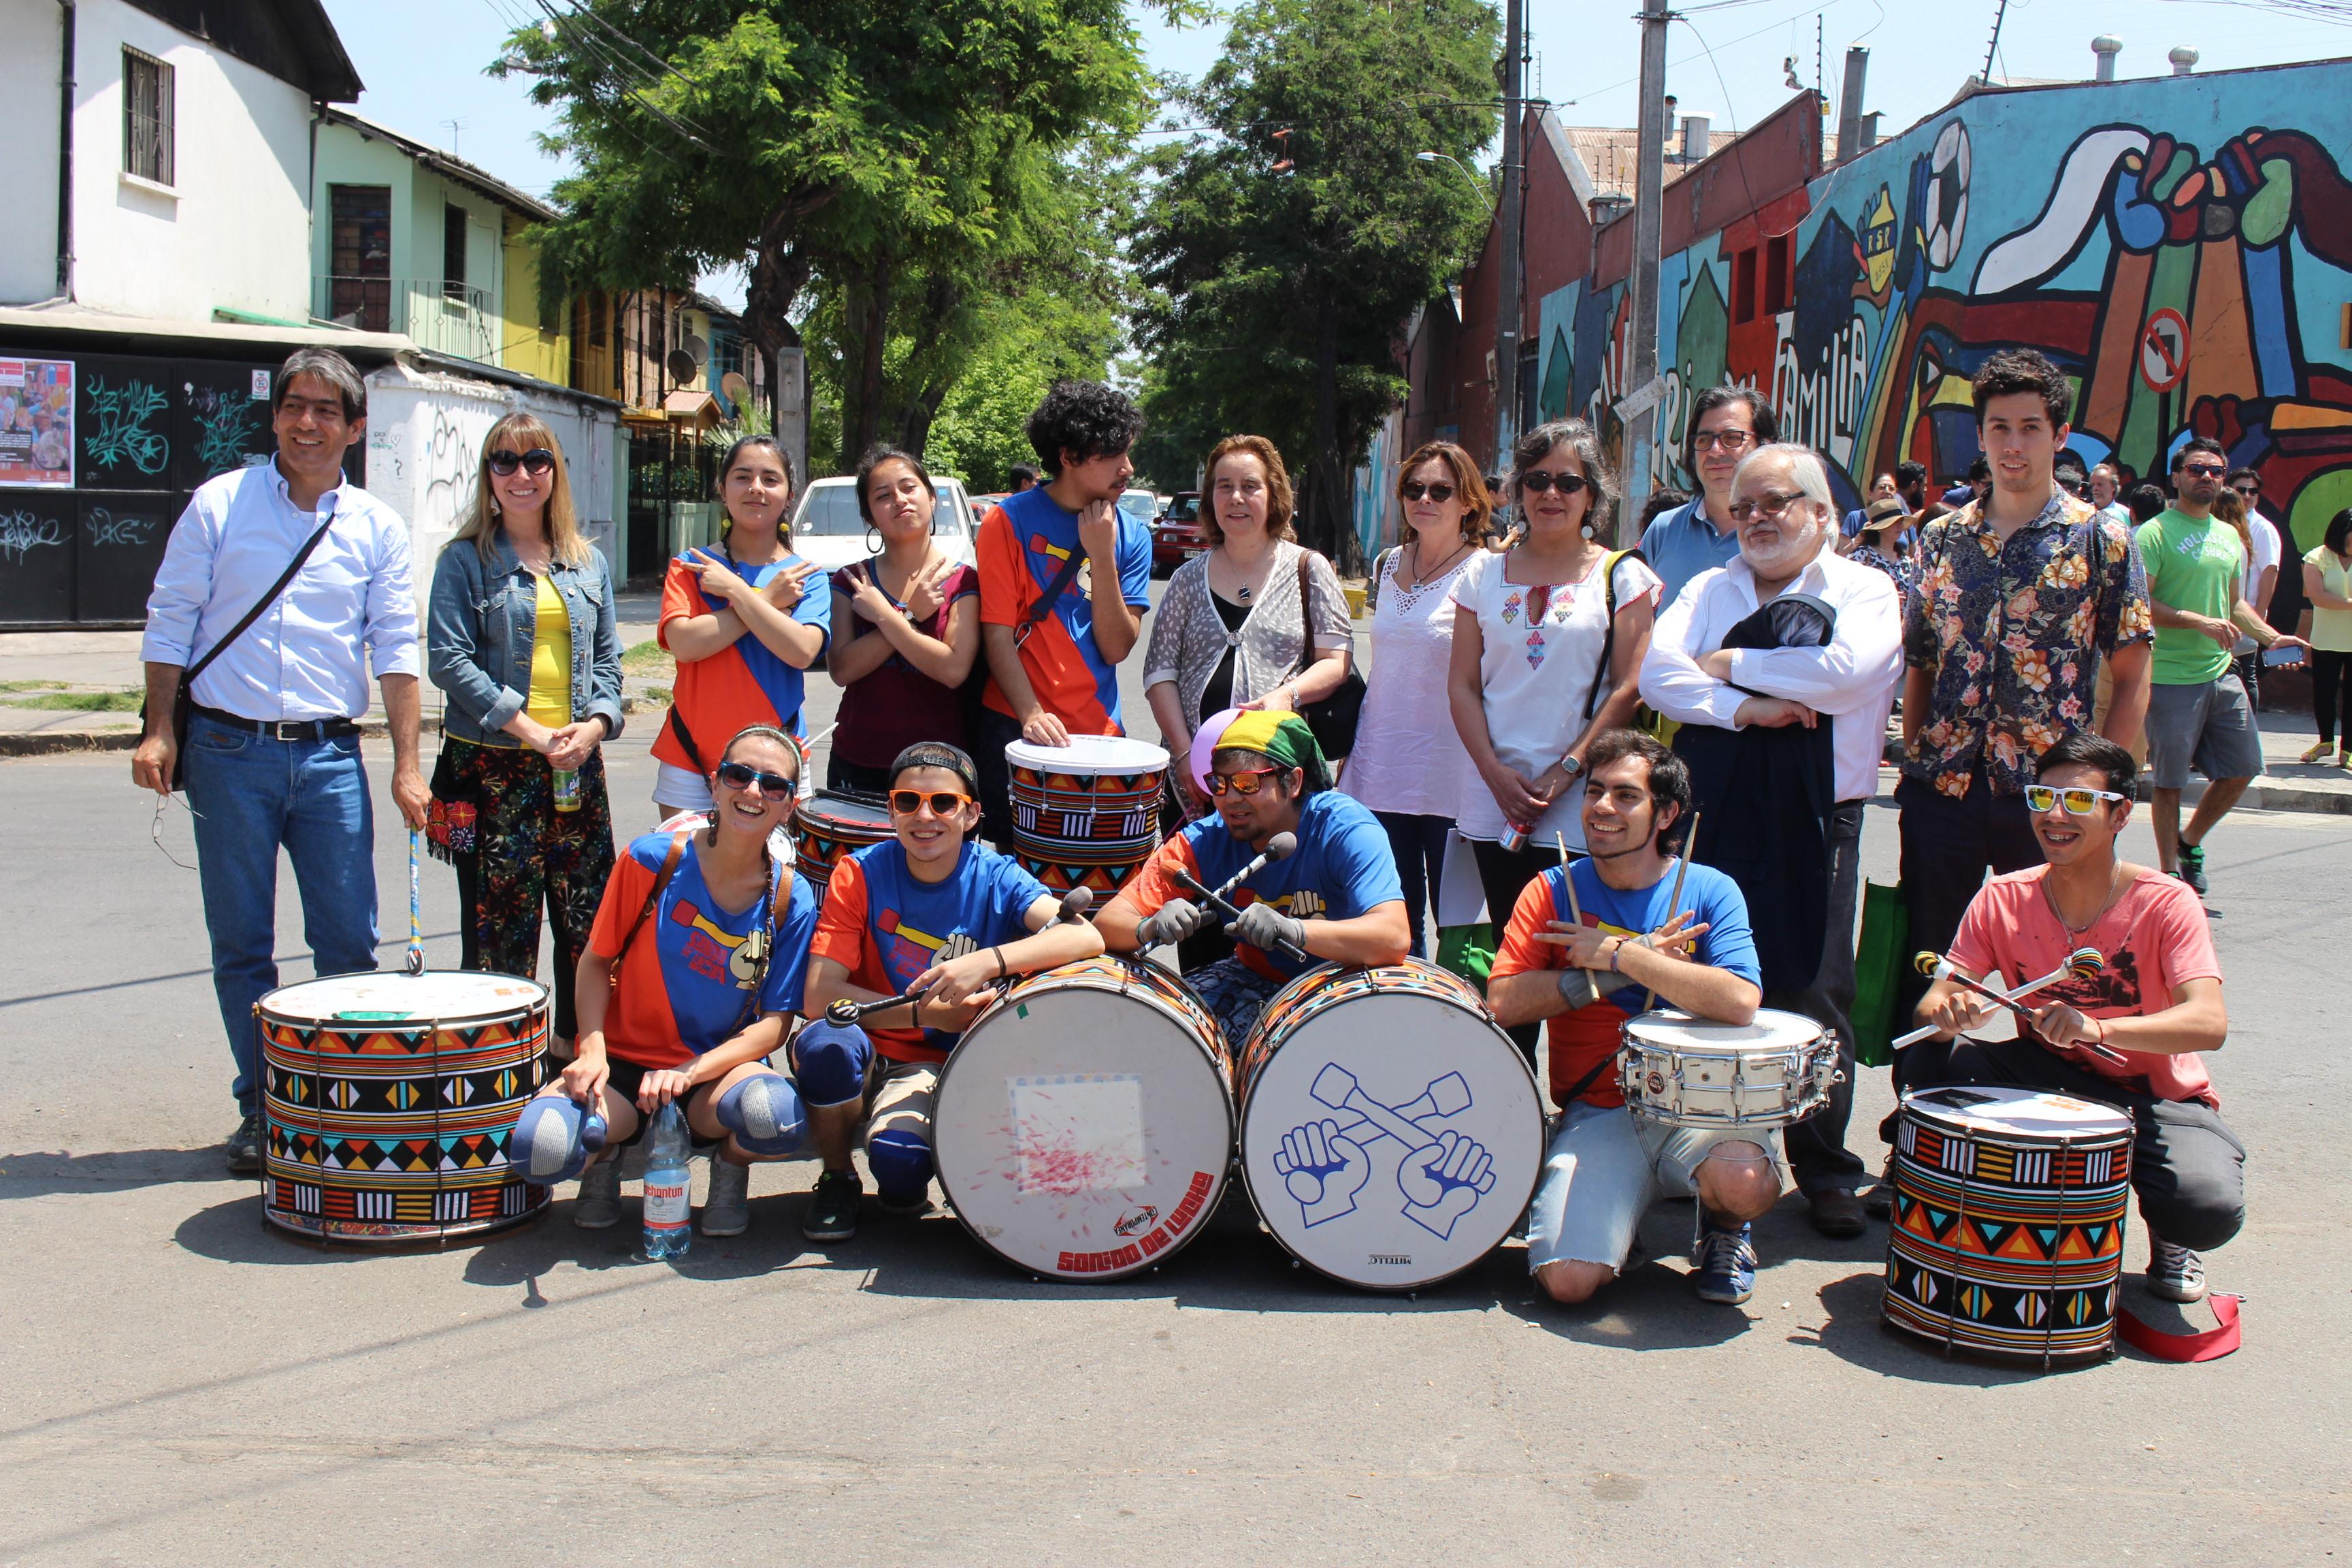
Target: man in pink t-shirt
[2128,1035]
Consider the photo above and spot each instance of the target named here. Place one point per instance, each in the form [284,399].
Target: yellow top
[549,701]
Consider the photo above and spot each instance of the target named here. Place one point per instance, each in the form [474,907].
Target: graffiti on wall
[2183,249]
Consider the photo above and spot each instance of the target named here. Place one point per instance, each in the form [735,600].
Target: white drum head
[1387,1087]
[1671,1029]
[387,995]
[1089,754]
[1082,1133]
[2014,1113]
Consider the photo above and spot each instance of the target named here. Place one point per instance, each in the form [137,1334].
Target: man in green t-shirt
[2197,714]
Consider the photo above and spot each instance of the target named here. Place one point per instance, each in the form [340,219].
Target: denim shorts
[1605,1170]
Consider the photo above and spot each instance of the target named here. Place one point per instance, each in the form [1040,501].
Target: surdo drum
[2006,1233]
[1088,814]
[389,1099]
[1391,1135]
[1084,1125]
[1691,1072]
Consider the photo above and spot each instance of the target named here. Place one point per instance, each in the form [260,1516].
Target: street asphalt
[185,1385]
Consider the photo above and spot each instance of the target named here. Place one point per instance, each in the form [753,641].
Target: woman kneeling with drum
[693,970]
[1580,953]
[934,916]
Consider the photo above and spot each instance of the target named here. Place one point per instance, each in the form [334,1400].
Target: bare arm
[403,712]
[1004,664]
[2314,589]
[1379,935]
[2127,672]
[977,977]
[2197,1020]
[859,648]
[1698,988]
[1465,695]
[1919,689]
[1118,920]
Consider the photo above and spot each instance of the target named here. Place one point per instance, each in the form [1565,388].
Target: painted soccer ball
[1945,223]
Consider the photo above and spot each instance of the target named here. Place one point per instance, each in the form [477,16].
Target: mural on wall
[2181,246]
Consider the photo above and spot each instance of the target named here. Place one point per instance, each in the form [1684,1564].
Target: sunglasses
[1771,506]
[943,802]
[1539,481]
[538,461]
[1413,489]
[1246,782]
[2079,802]
[743,776]
[2202,471]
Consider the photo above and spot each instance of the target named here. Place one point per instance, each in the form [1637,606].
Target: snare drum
[389,1099]
[1392,1134]
[2006,1235]
[1084,1125]
[1085,815]
[1688,1072]
[832,824]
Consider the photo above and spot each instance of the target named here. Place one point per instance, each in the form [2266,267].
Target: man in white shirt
[273,751]
[1815,641]
[2262,573]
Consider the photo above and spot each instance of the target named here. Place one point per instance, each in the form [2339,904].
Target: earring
[873,539]
[1590,532]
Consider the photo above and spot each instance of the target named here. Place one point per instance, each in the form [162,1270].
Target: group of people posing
[1656,761]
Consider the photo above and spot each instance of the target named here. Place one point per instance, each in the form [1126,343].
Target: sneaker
[906,1206]
[2174,1273]
[2193,866]
[243,1151]
[726,1211]
[833,1207]
[598,1207]
[2317,753]
[1723,1266]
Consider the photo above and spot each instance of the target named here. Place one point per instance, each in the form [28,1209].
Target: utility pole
[1638,404]
[1510,217]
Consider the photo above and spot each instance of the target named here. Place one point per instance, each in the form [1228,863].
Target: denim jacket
[478,631]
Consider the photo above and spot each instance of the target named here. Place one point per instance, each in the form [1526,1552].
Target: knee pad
[901,1162]
[546,1144]
[764,1115]
[829,1063]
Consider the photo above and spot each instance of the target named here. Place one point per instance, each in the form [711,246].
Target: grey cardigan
[1189,639]
[478,631]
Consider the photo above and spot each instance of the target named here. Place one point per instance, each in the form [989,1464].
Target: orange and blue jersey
[684,987]
[743,684]
[1023,545]
[885,927]
[1343,868]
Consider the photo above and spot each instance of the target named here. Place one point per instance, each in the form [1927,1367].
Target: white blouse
[1542,650]
[1408,758]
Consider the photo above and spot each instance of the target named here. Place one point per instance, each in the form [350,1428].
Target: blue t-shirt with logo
[1708,895]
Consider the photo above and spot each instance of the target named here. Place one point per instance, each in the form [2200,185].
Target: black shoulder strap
[260,604]
[653,899]
[1052,595]
[1616,558]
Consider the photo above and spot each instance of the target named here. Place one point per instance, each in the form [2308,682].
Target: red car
[1176,538]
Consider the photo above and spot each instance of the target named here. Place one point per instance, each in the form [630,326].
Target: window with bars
[146,117]
[453,250]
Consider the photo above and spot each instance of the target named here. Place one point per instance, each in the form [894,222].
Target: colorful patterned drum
[1084,1125]
[1085,815]
[830,824]
[2006,1237]
[1392,1134]
[389,1099]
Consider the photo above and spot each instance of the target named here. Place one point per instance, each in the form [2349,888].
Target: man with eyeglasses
[1780,669]
[2000,664]
[2128,1035]
[1337,896]
[930,910]
[2199,714]
[1726,422]
[2263,553]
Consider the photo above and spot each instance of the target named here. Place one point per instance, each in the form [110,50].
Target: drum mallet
[415,962]
[1575,914]
[1075,904]
[2082,962]
[1224,907]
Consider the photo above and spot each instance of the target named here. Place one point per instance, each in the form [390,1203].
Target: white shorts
[1605,1170]
[681,789]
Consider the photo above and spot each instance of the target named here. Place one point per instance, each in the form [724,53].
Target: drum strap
[1587,1081]
[653,899]
[2207,1344]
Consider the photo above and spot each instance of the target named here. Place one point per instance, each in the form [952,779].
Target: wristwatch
[1574,766]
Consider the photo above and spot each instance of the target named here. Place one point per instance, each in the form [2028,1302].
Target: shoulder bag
[1333,719]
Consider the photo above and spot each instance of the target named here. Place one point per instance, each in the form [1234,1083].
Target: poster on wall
[36,423]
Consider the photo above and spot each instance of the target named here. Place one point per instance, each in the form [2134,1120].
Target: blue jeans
[1418,845]
[251,793]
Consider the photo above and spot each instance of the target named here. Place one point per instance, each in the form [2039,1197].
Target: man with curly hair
[1065,580]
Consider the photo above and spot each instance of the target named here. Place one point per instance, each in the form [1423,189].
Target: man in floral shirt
[2020,596]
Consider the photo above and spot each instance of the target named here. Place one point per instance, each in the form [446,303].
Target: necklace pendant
[1242,594]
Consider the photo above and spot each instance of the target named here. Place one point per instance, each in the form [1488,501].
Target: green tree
[897,155]
[1278,293]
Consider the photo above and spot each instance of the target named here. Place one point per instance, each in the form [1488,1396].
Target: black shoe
[243,1150]
[1837,1212]
[833,1207]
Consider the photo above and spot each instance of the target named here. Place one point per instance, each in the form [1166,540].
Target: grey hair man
[1781,669]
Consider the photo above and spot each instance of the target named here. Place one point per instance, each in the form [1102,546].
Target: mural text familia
[2182,247]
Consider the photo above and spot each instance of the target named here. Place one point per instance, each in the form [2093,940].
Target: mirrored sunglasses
[1248,782]
[2079,802]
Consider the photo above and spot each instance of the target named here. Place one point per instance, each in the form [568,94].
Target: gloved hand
[1264,927]
[1174,921]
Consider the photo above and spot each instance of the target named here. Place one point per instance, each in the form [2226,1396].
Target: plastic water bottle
[566,786]
[668,1187]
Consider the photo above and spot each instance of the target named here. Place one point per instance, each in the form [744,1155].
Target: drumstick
[1568,875]
[1675,897]
[1225,908]
[1075,904]
[414,962]
[1937,968]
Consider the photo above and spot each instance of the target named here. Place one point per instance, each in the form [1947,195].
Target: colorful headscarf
[1282,739]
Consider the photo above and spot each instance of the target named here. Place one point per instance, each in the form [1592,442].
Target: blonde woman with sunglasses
[522,638]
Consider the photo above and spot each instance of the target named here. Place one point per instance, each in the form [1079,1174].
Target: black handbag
[183,704]
[1334,718]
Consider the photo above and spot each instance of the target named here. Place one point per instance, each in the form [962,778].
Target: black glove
[1266,927]
[1175,921]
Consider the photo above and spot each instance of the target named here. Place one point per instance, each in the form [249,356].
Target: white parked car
[828,529]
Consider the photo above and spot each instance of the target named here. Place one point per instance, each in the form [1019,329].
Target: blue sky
[422,60]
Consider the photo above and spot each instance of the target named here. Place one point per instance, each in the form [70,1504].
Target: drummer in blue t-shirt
[1335,897]
[1639,923]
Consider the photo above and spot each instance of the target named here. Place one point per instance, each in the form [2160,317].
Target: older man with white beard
[1781,668]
